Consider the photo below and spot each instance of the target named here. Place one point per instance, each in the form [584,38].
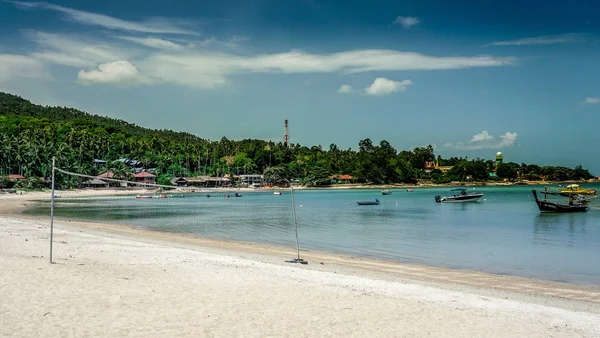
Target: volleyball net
[229,213]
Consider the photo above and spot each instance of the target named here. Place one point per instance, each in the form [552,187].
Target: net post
[298,259]
[52,207]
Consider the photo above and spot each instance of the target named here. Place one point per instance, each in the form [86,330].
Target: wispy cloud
[382,86]
[406,21]
[592,100]
[153,43]
[14,66]
[205,68]
[484,140]
[88,18]
[543,40]
[73,51]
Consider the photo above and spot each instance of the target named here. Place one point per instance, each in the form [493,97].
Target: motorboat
[574,189]
[575,203]
[277,193]
[368,202]
[143,196]
[462,197]
[386,192]
[409,190]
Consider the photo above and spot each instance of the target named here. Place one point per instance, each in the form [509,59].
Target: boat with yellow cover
[574,189]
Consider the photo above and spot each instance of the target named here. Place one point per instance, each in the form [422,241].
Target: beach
[111,280]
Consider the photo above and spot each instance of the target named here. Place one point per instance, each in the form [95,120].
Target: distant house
[95,183]
[145,177]
[16,177]
[429,166]
[108,174]
[179,181]
[252,180]
[345,178]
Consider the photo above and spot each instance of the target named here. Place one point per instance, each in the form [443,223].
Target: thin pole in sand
[296,260]
[52,208]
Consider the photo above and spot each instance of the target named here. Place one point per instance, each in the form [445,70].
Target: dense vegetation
[31,134]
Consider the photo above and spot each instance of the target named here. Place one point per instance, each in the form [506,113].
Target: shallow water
[505,234]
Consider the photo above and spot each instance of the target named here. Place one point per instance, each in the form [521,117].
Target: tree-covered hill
[31,134]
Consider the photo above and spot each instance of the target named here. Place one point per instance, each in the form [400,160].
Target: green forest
[30,135]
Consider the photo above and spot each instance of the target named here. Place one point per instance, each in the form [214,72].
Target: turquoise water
[505,234]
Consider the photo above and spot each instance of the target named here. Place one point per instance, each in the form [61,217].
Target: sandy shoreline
[113,280]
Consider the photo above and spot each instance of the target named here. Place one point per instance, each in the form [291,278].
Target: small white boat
[460,198]
[386,192]
[375,202]
[409,190]
[277,193]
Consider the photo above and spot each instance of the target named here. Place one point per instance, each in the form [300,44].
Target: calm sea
[505,234]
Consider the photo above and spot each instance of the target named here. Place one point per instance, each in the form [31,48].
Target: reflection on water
[504,234]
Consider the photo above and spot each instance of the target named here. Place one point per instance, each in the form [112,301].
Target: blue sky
[472,78]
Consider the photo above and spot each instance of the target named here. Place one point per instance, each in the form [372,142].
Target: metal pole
[296,260]
[52,209]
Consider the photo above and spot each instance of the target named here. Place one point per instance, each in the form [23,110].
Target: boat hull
[459,199]
[368,202]
[552,207]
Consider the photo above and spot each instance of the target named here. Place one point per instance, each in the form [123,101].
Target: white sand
[106,283]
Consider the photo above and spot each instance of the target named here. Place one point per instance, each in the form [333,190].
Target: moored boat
[574,189]
[367,202]
[277,193]
[386,192]
[575,204]
[462,197]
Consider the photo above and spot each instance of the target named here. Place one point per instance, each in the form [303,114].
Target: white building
[252,180]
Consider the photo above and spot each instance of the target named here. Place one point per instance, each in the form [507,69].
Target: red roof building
[108,174]
[16,177]
[145,177]
[345,177]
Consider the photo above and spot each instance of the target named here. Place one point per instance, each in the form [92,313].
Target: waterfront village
[137,174]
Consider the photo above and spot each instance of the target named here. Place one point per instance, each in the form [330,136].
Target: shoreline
[137,190]
[407,270]
[114,280]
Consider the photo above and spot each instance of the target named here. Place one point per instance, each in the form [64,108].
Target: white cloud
[345,89]
[153,43]
[200,68]
[592,100]
[406,21]
[16,66]
[542,40]
[120,73]
[382,86]
[208,69]
[484,140]
[483,136]
[88,18]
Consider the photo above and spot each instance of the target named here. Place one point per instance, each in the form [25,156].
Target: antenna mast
[286,135]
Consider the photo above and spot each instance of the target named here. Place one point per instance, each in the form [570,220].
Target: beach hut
[145,177]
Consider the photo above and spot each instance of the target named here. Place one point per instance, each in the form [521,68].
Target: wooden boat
[386,192]
[574,189]
[462,197]
[575,204]
[375,202]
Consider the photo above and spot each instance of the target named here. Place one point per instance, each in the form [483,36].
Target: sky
[471,78]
